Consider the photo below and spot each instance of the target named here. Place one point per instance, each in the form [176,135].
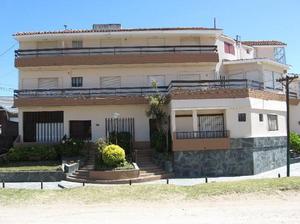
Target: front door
[81,130]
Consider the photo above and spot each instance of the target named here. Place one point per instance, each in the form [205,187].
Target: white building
[223,91]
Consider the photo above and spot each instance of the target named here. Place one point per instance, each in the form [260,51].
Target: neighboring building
[227,112]
[8,123]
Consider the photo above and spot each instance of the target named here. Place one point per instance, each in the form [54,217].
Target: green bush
[32,153]
[123,139]
[158,141]
[113,155]
[70,147]
[295,142]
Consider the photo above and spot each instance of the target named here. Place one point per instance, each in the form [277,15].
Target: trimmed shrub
[113,155]
[32,153]
[295,142]
[123,139]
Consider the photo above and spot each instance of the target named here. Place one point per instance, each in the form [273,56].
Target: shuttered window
[229,48]
[77,44]
[48,83]
[110,82]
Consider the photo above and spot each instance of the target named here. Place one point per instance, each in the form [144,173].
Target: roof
[6,103]
[67,31]
[263,43]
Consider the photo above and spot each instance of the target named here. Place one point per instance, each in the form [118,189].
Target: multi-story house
[227,112]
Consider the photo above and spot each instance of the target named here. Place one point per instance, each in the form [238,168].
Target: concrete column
[195,121]
[173,121]
[20,124]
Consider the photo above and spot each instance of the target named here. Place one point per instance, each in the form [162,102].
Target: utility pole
[286,81]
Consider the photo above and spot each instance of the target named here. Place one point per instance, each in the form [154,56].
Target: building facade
[224,100]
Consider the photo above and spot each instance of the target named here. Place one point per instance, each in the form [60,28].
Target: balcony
[200,140]
[177,89]
[116,55]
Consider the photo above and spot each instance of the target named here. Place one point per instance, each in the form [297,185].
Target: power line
[6,51]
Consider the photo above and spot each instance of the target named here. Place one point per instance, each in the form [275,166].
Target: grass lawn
[45,166]
[148,192]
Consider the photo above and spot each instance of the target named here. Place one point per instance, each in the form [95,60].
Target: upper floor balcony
[177,89]
[116,55]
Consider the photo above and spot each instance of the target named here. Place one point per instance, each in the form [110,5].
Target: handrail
[174,85]
[116,50]
[201,134]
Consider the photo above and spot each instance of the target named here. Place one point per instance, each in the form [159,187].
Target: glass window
[77,81]
[242,117]
[272,122]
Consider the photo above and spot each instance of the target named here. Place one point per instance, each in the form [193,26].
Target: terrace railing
[201,85]
[116,50]
[201,134]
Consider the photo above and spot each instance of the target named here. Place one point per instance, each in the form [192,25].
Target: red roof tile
[263,43]
[112,30]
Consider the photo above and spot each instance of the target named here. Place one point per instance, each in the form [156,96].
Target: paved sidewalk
[295,171]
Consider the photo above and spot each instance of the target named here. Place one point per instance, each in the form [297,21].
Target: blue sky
[255,19]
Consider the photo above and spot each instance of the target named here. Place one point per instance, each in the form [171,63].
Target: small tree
[157,102]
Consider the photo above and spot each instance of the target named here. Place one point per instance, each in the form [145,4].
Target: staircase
[148,170]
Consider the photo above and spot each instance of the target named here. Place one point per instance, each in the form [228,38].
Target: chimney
[104,27]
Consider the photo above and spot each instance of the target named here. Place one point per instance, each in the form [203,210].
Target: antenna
[215,23]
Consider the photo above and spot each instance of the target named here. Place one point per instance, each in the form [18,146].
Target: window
[279,55]
[77,81]
[229,48]
[110,82]
[261,117]
[48,83]
[242,117]
[248,51]
[272,122]
[77,44]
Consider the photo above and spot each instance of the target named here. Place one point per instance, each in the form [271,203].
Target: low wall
[246,156]
[32,176]
[115,174]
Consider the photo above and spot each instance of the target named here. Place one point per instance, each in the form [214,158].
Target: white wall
[97,115]
[295,118]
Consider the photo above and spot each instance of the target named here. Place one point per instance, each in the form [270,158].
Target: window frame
[242,117]
[276,122]
[77,44]
[229,48]
[261,117]
[76,81]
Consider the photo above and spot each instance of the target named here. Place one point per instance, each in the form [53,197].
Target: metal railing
[174,85]
[116,50]
[201,134]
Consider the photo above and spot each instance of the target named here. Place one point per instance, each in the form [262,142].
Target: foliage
[113,155]
[158,141]
[123,139]
[295,142]
[32,153]
[70,147]
[156,102]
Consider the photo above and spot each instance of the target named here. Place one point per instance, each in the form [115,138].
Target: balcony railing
[142,91]
[201,134]
[116,50]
